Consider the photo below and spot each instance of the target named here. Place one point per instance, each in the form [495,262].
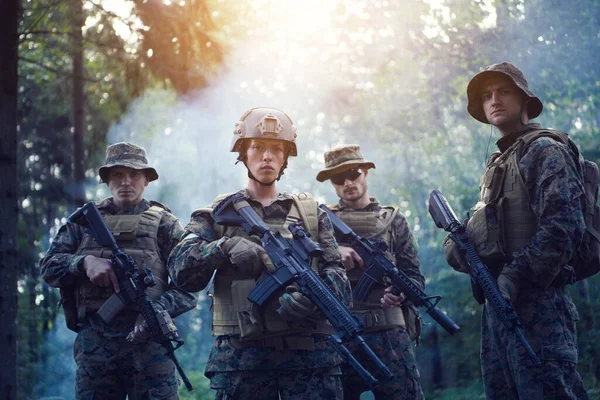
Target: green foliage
[398,90]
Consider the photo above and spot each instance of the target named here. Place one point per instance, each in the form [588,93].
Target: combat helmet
[264,123]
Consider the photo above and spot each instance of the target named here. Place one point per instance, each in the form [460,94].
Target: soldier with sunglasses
[390,322]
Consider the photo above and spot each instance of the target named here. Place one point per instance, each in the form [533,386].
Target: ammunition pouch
[381,319]
[485,228]
[69,305]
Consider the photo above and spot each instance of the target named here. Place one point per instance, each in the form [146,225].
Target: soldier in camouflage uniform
[117,360]
[526,226]
[390,323]
[280,350]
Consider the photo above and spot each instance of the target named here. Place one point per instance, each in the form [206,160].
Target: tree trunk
[8,197]
[78,104]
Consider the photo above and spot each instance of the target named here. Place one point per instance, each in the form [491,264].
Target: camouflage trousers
[395,349]
[548,318]
[314,384]
[110,368]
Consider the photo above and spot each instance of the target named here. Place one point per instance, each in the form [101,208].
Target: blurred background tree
[390,76]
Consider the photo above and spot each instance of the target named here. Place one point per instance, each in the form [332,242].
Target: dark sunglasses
[350,174]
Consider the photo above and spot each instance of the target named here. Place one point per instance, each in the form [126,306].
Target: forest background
[174,77]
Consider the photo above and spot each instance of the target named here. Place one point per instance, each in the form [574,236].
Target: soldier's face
[126,185]
[503,104]
[265,158]
[351,189]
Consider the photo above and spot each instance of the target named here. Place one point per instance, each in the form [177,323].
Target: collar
[373,205]
[108,205]
[506,141]
[280,197]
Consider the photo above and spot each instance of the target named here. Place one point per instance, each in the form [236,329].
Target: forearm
[335,277]
[61,266]
[193,262]
[555,195]
[59,270]
[406,253]
[176,301]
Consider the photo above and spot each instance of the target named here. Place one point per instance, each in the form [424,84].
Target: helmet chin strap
[251,176]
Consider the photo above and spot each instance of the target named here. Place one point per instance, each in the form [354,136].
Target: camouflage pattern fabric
[128,155]
[60,267]
[394,347]
[197,256]
[405,248]
[554,182]
[106,362]
[229,353]
[314,384]
[111,368]
[549,317]
[548,314]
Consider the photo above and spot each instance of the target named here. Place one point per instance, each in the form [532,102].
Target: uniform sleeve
[554,182]
[193,261]
[175,300]
[332,271]
[60,266]
[406,251]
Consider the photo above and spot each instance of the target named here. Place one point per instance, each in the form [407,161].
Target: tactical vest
[503,221]
[373,225]
[233,313]
[136,235]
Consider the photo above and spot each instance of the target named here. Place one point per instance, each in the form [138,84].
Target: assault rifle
[444,218]
[291,259]
[378,267]
[133,282]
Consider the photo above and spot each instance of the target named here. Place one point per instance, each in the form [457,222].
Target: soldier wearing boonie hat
[127,155]
[343,159]
[124,362]
[535,179]
[390,325]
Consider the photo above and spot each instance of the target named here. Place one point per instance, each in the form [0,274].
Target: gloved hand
[455,256]
[248,256]
[295,305]
[509,283]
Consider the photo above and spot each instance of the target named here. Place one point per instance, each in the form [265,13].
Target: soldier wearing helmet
[526,226]
[280,350]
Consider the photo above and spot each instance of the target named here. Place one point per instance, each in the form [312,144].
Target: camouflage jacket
[553,179]
[197,256]
[60,266]
[404,244]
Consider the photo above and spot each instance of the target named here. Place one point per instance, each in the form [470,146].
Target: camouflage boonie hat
[341,159]
[128,155]
[505,69]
